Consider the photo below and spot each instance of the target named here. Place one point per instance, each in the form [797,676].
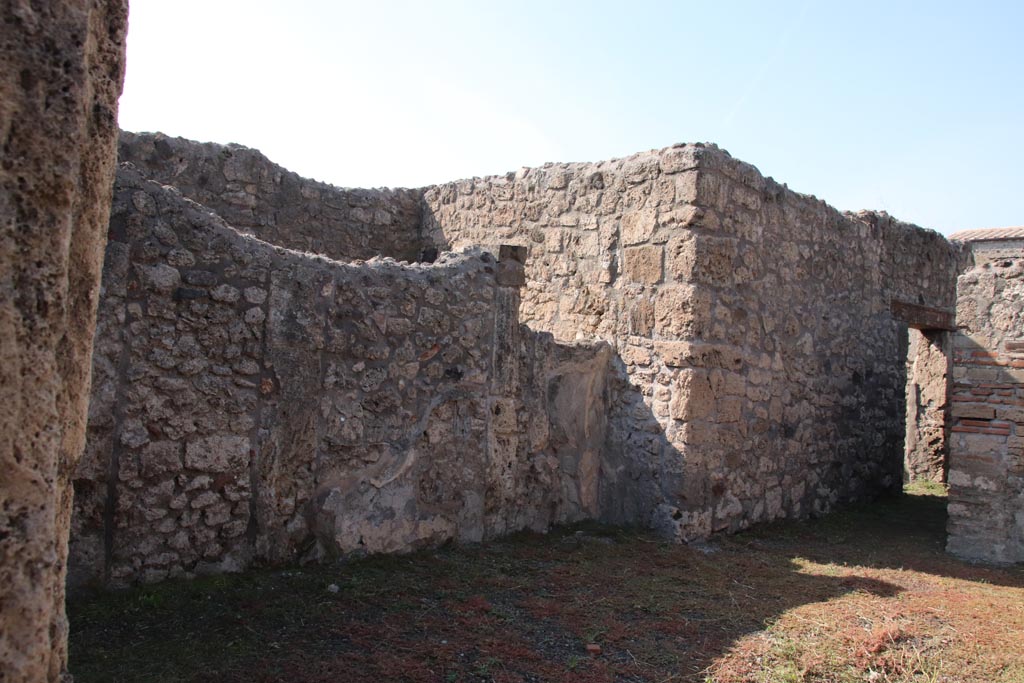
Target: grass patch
[865,594]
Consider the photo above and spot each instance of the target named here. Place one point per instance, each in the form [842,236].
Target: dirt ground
[862,595]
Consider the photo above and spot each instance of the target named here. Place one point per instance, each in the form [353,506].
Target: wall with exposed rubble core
[928,370]
[253,403]
[760,370]
[258,197]
[700,349]
[986,460]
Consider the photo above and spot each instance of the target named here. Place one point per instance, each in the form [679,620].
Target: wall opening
[926,445]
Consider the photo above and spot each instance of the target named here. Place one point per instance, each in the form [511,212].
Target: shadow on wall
[758,370]
[929,366]
[689,450]
[253,403]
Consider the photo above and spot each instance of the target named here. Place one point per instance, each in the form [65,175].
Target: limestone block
[681,311]
[643,264]
[678,159]
[62,71]
[729,409]
[686,187]
[640,168]
[641,316]
[692,395]
[638,226]
[225,293]
[681,256]
[161,277]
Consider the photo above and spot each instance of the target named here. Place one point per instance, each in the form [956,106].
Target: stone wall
[986,460]
[61,67]
[253,403]
[595,235]
[760,368]
[700,349]
[928,383]
[258,197]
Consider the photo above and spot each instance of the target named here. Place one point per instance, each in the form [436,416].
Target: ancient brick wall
[986,459]
[258,197]
[253,403]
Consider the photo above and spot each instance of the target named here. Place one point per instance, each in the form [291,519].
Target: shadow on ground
[526,608]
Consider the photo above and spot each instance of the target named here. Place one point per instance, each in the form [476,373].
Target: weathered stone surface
[923,317]
[61,64]
[306,407]
[928,375]
[258,197]
[986,449]
[762,372]
[702,350]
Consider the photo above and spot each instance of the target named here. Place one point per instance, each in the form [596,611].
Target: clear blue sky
[912,108]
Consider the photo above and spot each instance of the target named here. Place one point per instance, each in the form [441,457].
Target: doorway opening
[929,372]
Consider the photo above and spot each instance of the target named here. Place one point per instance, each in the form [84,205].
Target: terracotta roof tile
[989,234]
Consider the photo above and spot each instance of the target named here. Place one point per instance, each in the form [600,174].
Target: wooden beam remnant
[923,317]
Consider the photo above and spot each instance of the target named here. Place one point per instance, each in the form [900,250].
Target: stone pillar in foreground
[61,69]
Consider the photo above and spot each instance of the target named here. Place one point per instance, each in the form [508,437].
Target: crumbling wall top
[257,196]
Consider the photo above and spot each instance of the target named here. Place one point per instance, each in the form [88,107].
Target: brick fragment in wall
[985,459]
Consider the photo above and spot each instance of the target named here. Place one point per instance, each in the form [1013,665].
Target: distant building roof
[989,234]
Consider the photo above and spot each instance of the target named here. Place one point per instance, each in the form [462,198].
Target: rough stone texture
[701,349]
[258,197]
[928,369]
[986,459]
[760,371]
[257,403]
[62,66]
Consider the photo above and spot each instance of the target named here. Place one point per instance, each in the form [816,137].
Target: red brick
[968,430]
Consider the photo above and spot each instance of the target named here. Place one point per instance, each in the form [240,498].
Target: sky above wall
[915,108]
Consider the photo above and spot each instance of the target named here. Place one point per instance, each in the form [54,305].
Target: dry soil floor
[862,595]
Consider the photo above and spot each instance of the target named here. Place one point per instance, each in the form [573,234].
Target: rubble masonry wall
[256,403]
[929,365]
[258,197]
[761,373]
[700,349]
